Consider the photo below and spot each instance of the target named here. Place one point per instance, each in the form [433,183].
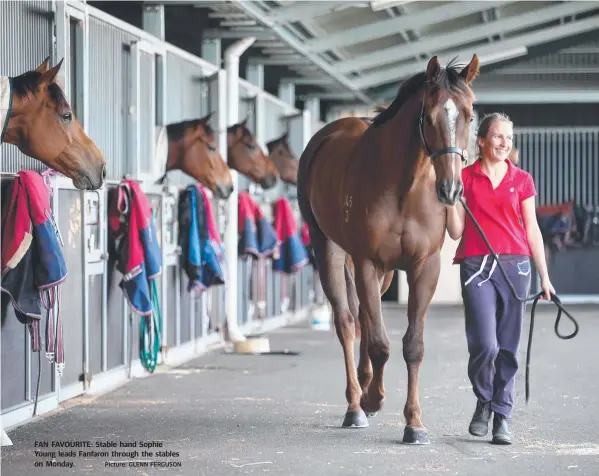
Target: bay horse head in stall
[192,149]
[375,194]
[40,122]
[280,154]
[245,155]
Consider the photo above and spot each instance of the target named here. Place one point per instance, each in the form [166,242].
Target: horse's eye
[211,148]
[68,117]
[429,119]
[251,146]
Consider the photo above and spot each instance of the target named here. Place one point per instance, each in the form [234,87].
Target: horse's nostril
[104,172]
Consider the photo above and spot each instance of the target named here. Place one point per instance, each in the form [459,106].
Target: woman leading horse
[375,194]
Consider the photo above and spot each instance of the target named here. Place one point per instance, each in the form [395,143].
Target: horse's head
[245,155]
[444,123]
[198,156]
[43,126]
[285,161]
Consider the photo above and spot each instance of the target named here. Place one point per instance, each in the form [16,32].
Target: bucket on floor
[252,345]
[321,318]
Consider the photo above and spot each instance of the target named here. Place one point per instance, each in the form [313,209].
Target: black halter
[448,150]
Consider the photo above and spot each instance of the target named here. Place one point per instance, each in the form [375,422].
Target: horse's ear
[206,118]
[42,68]
[471,71]
[243,123]
[433,68]
[49,76]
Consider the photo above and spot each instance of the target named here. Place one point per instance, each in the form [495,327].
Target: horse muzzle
[89,180]
[449,191]
[268,182]
[223,191]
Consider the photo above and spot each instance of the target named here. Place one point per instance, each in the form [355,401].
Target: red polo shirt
[498,212]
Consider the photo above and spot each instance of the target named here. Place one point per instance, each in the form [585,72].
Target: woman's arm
[455,221]
[535,240]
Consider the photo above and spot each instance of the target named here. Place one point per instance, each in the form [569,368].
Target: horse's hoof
[355,420]
[415,436]
[371,414]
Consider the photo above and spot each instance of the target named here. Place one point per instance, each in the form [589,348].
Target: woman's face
[497,144]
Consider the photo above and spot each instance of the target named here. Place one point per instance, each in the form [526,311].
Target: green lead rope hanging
[150,330]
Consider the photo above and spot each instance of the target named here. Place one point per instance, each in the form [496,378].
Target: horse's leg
[364,364]
[368,286]
[331,262]
[352,298]
[387,278]
[422,282]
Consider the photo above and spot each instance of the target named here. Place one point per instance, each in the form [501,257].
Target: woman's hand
[547,288]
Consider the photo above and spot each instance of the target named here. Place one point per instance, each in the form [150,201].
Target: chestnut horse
[40,122]
[245,155]
[285,161]
[192,149]
[375,194]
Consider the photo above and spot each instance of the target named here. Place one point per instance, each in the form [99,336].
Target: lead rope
[535,299]
[150,329]
[54,341]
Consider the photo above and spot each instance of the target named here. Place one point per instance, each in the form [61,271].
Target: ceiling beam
[252,10]
[502,96]
[525,69]
[462,36]
[378,5]
[333,96]
[300,11]
[391,26]
[396,74]
[233,34]
[537,96]
[278,60]
[320,81]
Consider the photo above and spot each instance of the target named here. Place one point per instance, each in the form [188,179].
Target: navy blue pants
[494,325]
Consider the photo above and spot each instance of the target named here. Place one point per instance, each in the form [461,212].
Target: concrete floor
[225,414]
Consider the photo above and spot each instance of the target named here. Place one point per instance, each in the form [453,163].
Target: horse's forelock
[283,140]
[208,129]
[450,78]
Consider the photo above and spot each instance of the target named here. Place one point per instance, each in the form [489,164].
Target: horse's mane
[26,84]
[177,130]
[273,143]
[448,78]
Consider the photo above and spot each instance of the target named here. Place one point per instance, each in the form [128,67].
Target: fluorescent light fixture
[238,23]
[503,55]
[378,5]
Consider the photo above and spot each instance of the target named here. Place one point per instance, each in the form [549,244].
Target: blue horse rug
[203,255]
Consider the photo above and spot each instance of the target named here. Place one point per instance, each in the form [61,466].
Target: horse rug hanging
[33,265]
[202,251]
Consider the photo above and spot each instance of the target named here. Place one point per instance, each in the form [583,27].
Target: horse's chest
[408,239]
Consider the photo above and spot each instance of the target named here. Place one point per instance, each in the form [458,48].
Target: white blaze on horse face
[452,117]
